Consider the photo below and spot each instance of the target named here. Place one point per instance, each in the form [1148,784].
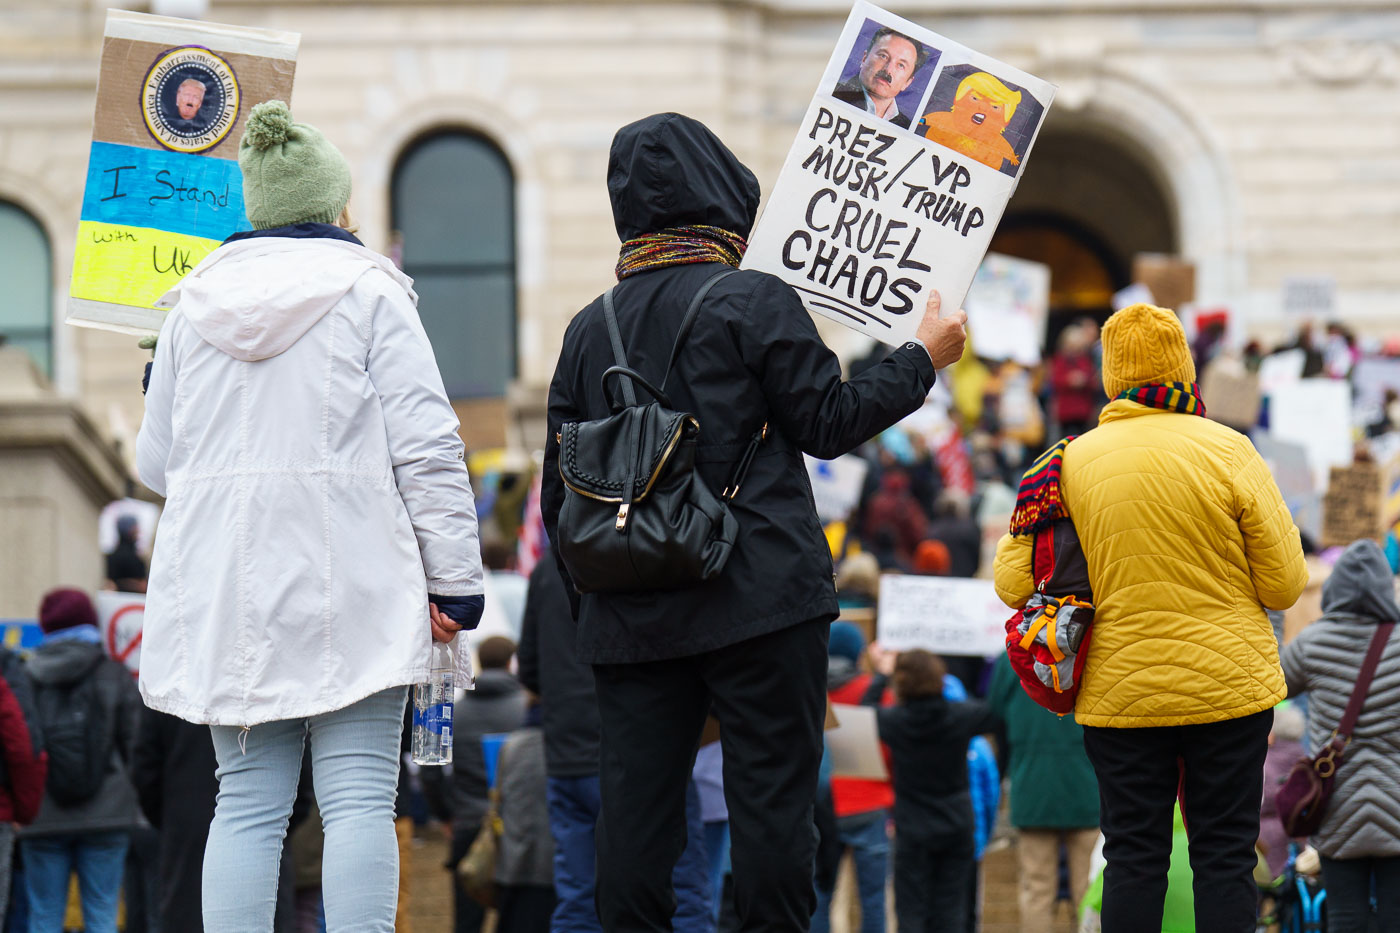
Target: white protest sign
[1280,369]
[1310,295]
[836,485]
[898,177]
[855,743]
[120,617]
[1006,308]
[1288,462]
[941,614]
[145,513]
[1315,413]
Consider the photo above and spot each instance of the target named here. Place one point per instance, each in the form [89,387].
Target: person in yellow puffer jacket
[1188,542]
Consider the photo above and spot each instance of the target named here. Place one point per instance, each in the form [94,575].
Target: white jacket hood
[255,298]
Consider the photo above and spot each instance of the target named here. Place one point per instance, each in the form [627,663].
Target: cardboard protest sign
[836,485]
[1352,507]
[1170,279]
[163,188]
[120,617]
[941,614]
[855,744]
[901,170]
[1231,393]
[1007,307]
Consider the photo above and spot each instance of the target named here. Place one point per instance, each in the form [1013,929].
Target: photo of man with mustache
[887,67]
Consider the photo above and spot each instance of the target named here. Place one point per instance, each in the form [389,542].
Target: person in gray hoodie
[88,709]
[1360,836]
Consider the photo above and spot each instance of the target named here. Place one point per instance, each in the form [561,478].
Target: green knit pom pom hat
[291,173]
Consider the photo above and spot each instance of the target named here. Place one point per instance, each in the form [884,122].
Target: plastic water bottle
[432,711]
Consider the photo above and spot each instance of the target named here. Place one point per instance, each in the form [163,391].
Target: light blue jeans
[355,768]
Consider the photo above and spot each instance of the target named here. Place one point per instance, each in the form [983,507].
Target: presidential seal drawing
[189,99]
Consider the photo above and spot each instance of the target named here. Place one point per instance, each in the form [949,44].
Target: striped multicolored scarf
[1170,396]
[1038,498]
[677,246]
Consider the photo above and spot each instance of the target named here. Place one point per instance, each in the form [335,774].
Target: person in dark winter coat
[935,826]
[23,764]
[497,705]
[1054,797]
[83,829]
[1359,840]
[173,771]
[751,644]
[525,854]
[549,669]
[126,569]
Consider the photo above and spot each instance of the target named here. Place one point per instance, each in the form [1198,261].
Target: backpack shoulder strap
[1363,680]
[688,321]
[629,395]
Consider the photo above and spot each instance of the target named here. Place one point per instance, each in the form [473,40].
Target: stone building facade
[1260,139]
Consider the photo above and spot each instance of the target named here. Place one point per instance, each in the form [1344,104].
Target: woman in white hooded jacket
[319,530]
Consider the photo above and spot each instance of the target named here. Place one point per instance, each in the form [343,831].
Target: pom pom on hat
[267,125]
[291,173]
[1144,345]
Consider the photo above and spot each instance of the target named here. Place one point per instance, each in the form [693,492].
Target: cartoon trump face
[982,108]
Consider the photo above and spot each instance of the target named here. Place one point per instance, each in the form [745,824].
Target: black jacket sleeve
[148,764]
[801,377]
[527,653]
[976,717]
[562,408]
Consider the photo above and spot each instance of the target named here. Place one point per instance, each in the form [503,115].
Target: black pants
[1139,772]
[934,882]
[769,694]
[1349,885]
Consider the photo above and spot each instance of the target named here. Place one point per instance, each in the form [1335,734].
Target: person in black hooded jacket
[751,643]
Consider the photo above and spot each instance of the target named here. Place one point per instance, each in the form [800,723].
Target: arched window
[26,300]
[454,218]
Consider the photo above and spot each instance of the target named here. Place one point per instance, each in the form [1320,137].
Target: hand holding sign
[943,336]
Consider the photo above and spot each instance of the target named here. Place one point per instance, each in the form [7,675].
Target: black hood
[668,170]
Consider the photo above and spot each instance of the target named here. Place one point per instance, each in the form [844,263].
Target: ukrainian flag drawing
[163,188]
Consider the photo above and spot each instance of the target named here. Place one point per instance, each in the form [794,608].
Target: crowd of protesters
[589,790]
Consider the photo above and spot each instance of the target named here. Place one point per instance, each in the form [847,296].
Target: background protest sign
[871,211]
[941,614]
[1006,309]
[1315,413]
[120,617]
[836,485]
[163,188]
[855,743]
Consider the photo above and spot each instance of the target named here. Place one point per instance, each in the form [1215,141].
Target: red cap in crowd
[65,608]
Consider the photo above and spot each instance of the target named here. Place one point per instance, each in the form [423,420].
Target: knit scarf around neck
[676,246]
[1170,396]
[1038,500]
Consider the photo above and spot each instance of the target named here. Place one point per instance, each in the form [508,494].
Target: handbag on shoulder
[637,515]
[1302,800]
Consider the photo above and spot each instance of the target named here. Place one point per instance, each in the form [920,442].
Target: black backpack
[77,729]
[636,514]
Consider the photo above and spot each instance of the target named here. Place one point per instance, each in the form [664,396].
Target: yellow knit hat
[1144,345]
